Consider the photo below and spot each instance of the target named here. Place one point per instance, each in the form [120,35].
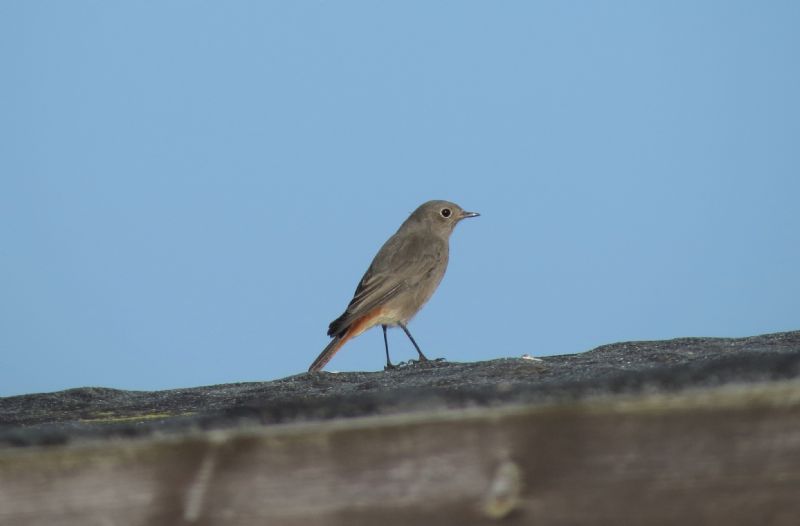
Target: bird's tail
[328,352]
[360,325]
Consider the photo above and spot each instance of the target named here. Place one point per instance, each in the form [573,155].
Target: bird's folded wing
[405,264]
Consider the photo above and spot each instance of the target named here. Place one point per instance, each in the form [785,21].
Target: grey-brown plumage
[402,277]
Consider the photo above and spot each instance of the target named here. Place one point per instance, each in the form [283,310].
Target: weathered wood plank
[729,455]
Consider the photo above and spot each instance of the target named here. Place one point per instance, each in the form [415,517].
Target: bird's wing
[400,264]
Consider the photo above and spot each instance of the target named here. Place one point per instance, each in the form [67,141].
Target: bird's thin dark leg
[386,344]
[422,357]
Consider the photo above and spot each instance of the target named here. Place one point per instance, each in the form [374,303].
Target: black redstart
[401,278]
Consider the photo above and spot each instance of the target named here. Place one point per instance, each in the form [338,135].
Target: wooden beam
[729,455]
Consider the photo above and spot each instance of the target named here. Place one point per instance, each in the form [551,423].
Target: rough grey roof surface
[632,367]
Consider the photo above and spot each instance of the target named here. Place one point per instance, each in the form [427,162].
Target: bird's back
[401,278]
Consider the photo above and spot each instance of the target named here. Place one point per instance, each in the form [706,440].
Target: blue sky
[190,191]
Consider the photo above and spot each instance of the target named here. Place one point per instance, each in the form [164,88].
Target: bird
[401,278]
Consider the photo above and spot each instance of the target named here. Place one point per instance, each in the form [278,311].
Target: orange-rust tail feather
[340,339]
[327,353]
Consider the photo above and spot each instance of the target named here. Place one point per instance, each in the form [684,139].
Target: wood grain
[728,455]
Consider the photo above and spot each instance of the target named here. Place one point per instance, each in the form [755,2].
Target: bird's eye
[445,212]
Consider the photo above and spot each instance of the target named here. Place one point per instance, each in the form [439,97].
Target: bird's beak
[465,214]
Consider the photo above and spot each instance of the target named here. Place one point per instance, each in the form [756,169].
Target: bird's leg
[386,344]
[422,357]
